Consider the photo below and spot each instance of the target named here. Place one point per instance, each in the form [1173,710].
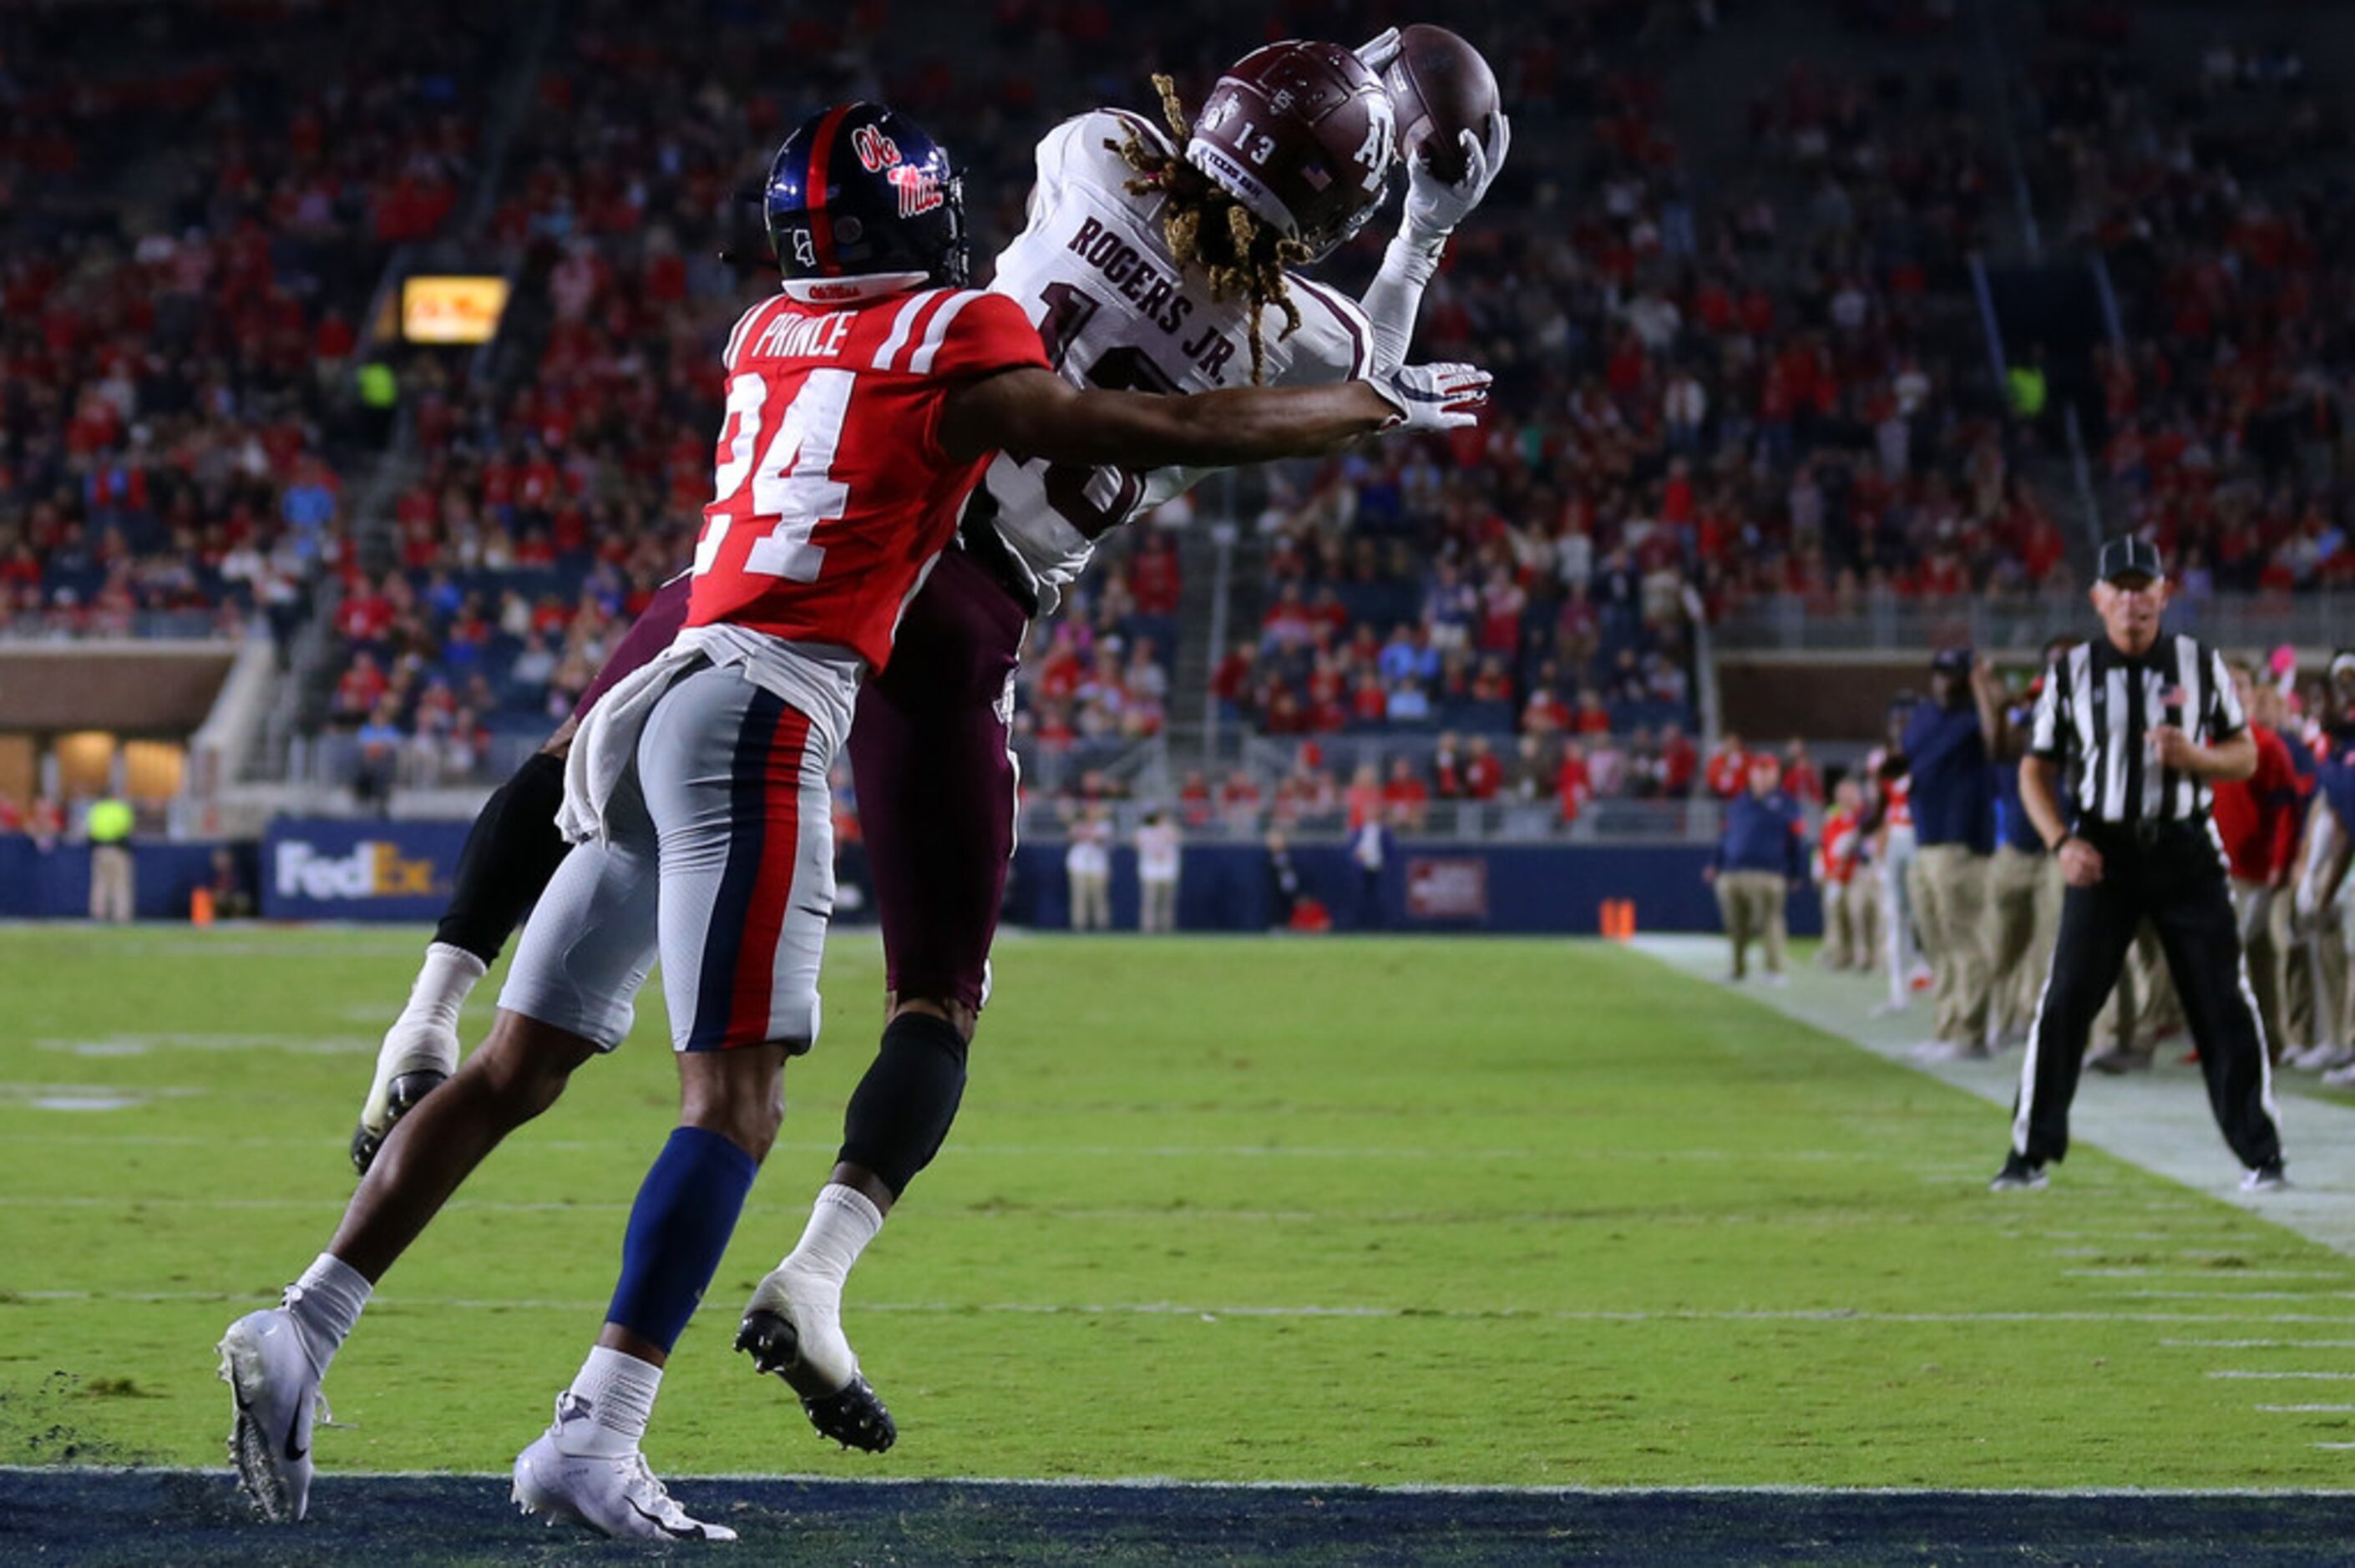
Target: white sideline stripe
[1096,1150]
[1011,1150]
[1122,1215]
[2286,1376]
[2243,1294]
[2218,1275]
[2304,1409]
[1173,1483]
[2135,1235]
[2258,1344]
[1213,1313]
[2336,1446]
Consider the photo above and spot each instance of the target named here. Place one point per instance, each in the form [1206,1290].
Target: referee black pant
[2173,875]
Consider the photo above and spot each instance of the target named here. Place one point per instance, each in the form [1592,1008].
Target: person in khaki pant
[2018,881]
[112,894]
[1954,828]
[1088,863]
[1949,891]
[1761,853]
[1863,896]
[1848,941]
[2317,916]
[2024,882]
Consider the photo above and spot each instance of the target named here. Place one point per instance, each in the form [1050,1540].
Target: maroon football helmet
[1305,136]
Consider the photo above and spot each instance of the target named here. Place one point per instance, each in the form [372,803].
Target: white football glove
[1435,205]
[1434,396]
[1378,52]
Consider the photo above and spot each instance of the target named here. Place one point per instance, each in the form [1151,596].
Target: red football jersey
[833,494]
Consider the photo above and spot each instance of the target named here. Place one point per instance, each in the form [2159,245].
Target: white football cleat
[270,1373]
[616,1495]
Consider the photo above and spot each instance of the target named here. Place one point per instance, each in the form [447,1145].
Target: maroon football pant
[936,785]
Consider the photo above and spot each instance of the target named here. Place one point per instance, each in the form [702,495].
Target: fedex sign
[387,871]
[372,870]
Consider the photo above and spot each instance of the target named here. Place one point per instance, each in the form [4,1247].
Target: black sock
[900,1111]
[511,852]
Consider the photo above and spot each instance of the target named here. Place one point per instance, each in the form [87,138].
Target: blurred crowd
[199,200]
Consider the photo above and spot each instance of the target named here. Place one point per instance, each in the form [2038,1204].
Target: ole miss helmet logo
[876,151]
[919,192]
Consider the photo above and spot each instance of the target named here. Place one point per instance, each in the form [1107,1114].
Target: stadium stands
[1735,369]
[203,203]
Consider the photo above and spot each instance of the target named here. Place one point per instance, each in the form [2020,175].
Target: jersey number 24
[791,483]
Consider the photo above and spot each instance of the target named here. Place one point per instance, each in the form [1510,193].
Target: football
[1442,88]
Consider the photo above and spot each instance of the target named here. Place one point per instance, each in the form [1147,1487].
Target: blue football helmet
[861,201]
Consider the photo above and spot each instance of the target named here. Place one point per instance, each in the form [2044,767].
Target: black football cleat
[852,1414]
[400,1097]
[2020,1174]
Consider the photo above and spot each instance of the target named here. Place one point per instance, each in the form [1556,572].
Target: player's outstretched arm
[1036,413]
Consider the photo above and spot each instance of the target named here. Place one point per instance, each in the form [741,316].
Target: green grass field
[1465,1211]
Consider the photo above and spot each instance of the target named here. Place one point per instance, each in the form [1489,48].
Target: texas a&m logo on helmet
[1305,136]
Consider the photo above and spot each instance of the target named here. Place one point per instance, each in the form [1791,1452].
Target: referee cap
[2128,557]
[1952,661]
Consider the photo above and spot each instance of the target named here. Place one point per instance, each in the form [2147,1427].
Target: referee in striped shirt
[2148,720]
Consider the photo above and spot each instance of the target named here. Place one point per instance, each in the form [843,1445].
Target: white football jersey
[1093,272]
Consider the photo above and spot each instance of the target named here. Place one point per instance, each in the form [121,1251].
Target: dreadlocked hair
[1239,255]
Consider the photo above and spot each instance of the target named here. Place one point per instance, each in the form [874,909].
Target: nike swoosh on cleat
[674,1531]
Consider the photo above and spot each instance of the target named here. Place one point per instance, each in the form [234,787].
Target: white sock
[448,977]
[324,1304]
[425,1035]
[618,1390]
[842,1221]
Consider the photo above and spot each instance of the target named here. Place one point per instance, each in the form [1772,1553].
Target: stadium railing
[1784,623]
[1630,822]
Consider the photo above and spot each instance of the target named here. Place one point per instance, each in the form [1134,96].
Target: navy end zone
[195,1517]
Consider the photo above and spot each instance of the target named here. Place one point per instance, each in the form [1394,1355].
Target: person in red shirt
[1233,681]
[1729,768]
[1153,577]
[1592,717]
[1572,785]
[1484,772]
[1847,932]
[1679,762]
[361,688]
[1800,780]
[1405,800]
[1239,797]
[1194,799]
[2257,819]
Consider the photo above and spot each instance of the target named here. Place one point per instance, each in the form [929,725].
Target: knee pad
[900,1113]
